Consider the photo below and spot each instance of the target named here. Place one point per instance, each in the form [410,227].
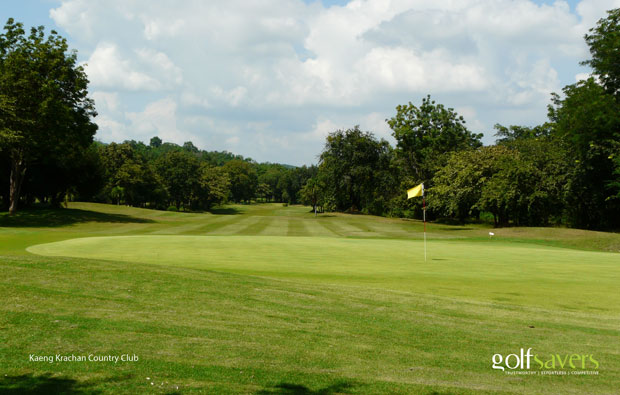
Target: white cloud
[403,69]
[107,69]
[582,77]
[320,130]
[158,118]
[111,130]
[376,122]
[271,79]
[591,11]
[234,140]
[160,65]
[105,101]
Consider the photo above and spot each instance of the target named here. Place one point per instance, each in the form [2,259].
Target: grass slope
[267,299]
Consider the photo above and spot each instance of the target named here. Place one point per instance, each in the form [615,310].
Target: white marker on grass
[491,234]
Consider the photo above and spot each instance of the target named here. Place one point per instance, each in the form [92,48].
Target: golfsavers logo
[527,363]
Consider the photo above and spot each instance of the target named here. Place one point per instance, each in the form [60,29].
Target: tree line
[565,171]
[168,176]
[163,176]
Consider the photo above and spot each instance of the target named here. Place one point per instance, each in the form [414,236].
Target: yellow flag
[415,191]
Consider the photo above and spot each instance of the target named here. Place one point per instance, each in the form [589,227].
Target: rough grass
[343,304]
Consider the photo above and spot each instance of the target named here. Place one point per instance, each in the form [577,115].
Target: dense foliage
[168,176]
[45,114]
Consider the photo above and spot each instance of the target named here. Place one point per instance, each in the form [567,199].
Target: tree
[457,186]
[155,142]
[604,43]
[270,175]
[52,179]
[588,120]
[355,168]
[47,90]
[516,132]
[214,186]
[90,179]
[311,193]
[190,147]
[243,179]
[263,191]
[179,173]
[424,134]
[129,178]
[520,181]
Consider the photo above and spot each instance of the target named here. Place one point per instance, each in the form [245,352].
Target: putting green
[485,270]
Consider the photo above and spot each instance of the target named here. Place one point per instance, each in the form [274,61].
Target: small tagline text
[58,358]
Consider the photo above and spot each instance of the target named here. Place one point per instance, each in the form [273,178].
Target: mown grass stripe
[181,229]
[256,226]
[222,222]
[330,227]
[337,228]
[315,226]
[363,229]
[296,227]
[277,227]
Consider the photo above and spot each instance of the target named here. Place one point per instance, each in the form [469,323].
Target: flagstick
[424,216]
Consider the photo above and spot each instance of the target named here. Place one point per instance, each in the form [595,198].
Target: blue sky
[270,79]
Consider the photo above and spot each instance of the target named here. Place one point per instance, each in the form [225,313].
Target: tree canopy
[425,134]
[45,109]
[355,168]
[604,42]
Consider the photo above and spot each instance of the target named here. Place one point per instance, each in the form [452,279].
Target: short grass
[269,299]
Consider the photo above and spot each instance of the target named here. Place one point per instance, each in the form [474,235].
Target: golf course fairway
[483,270]
[267,299]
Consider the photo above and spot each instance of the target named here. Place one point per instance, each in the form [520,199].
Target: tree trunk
[57,199]
[18,171]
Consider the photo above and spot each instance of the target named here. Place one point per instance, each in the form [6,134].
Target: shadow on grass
[298,389]
[43,384]
[49,218]
[225,211]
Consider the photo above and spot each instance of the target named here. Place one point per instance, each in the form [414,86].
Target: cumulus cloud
[270,79]
[107,69]
[143,70]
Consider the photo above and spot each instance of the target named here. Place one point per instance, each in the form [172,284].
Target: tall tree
[588,120]
[179,173]
[355,168]
[457,186]
[243,179]
[311,193]
[425,134]
[47,89]
[214,186]
[604,43]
